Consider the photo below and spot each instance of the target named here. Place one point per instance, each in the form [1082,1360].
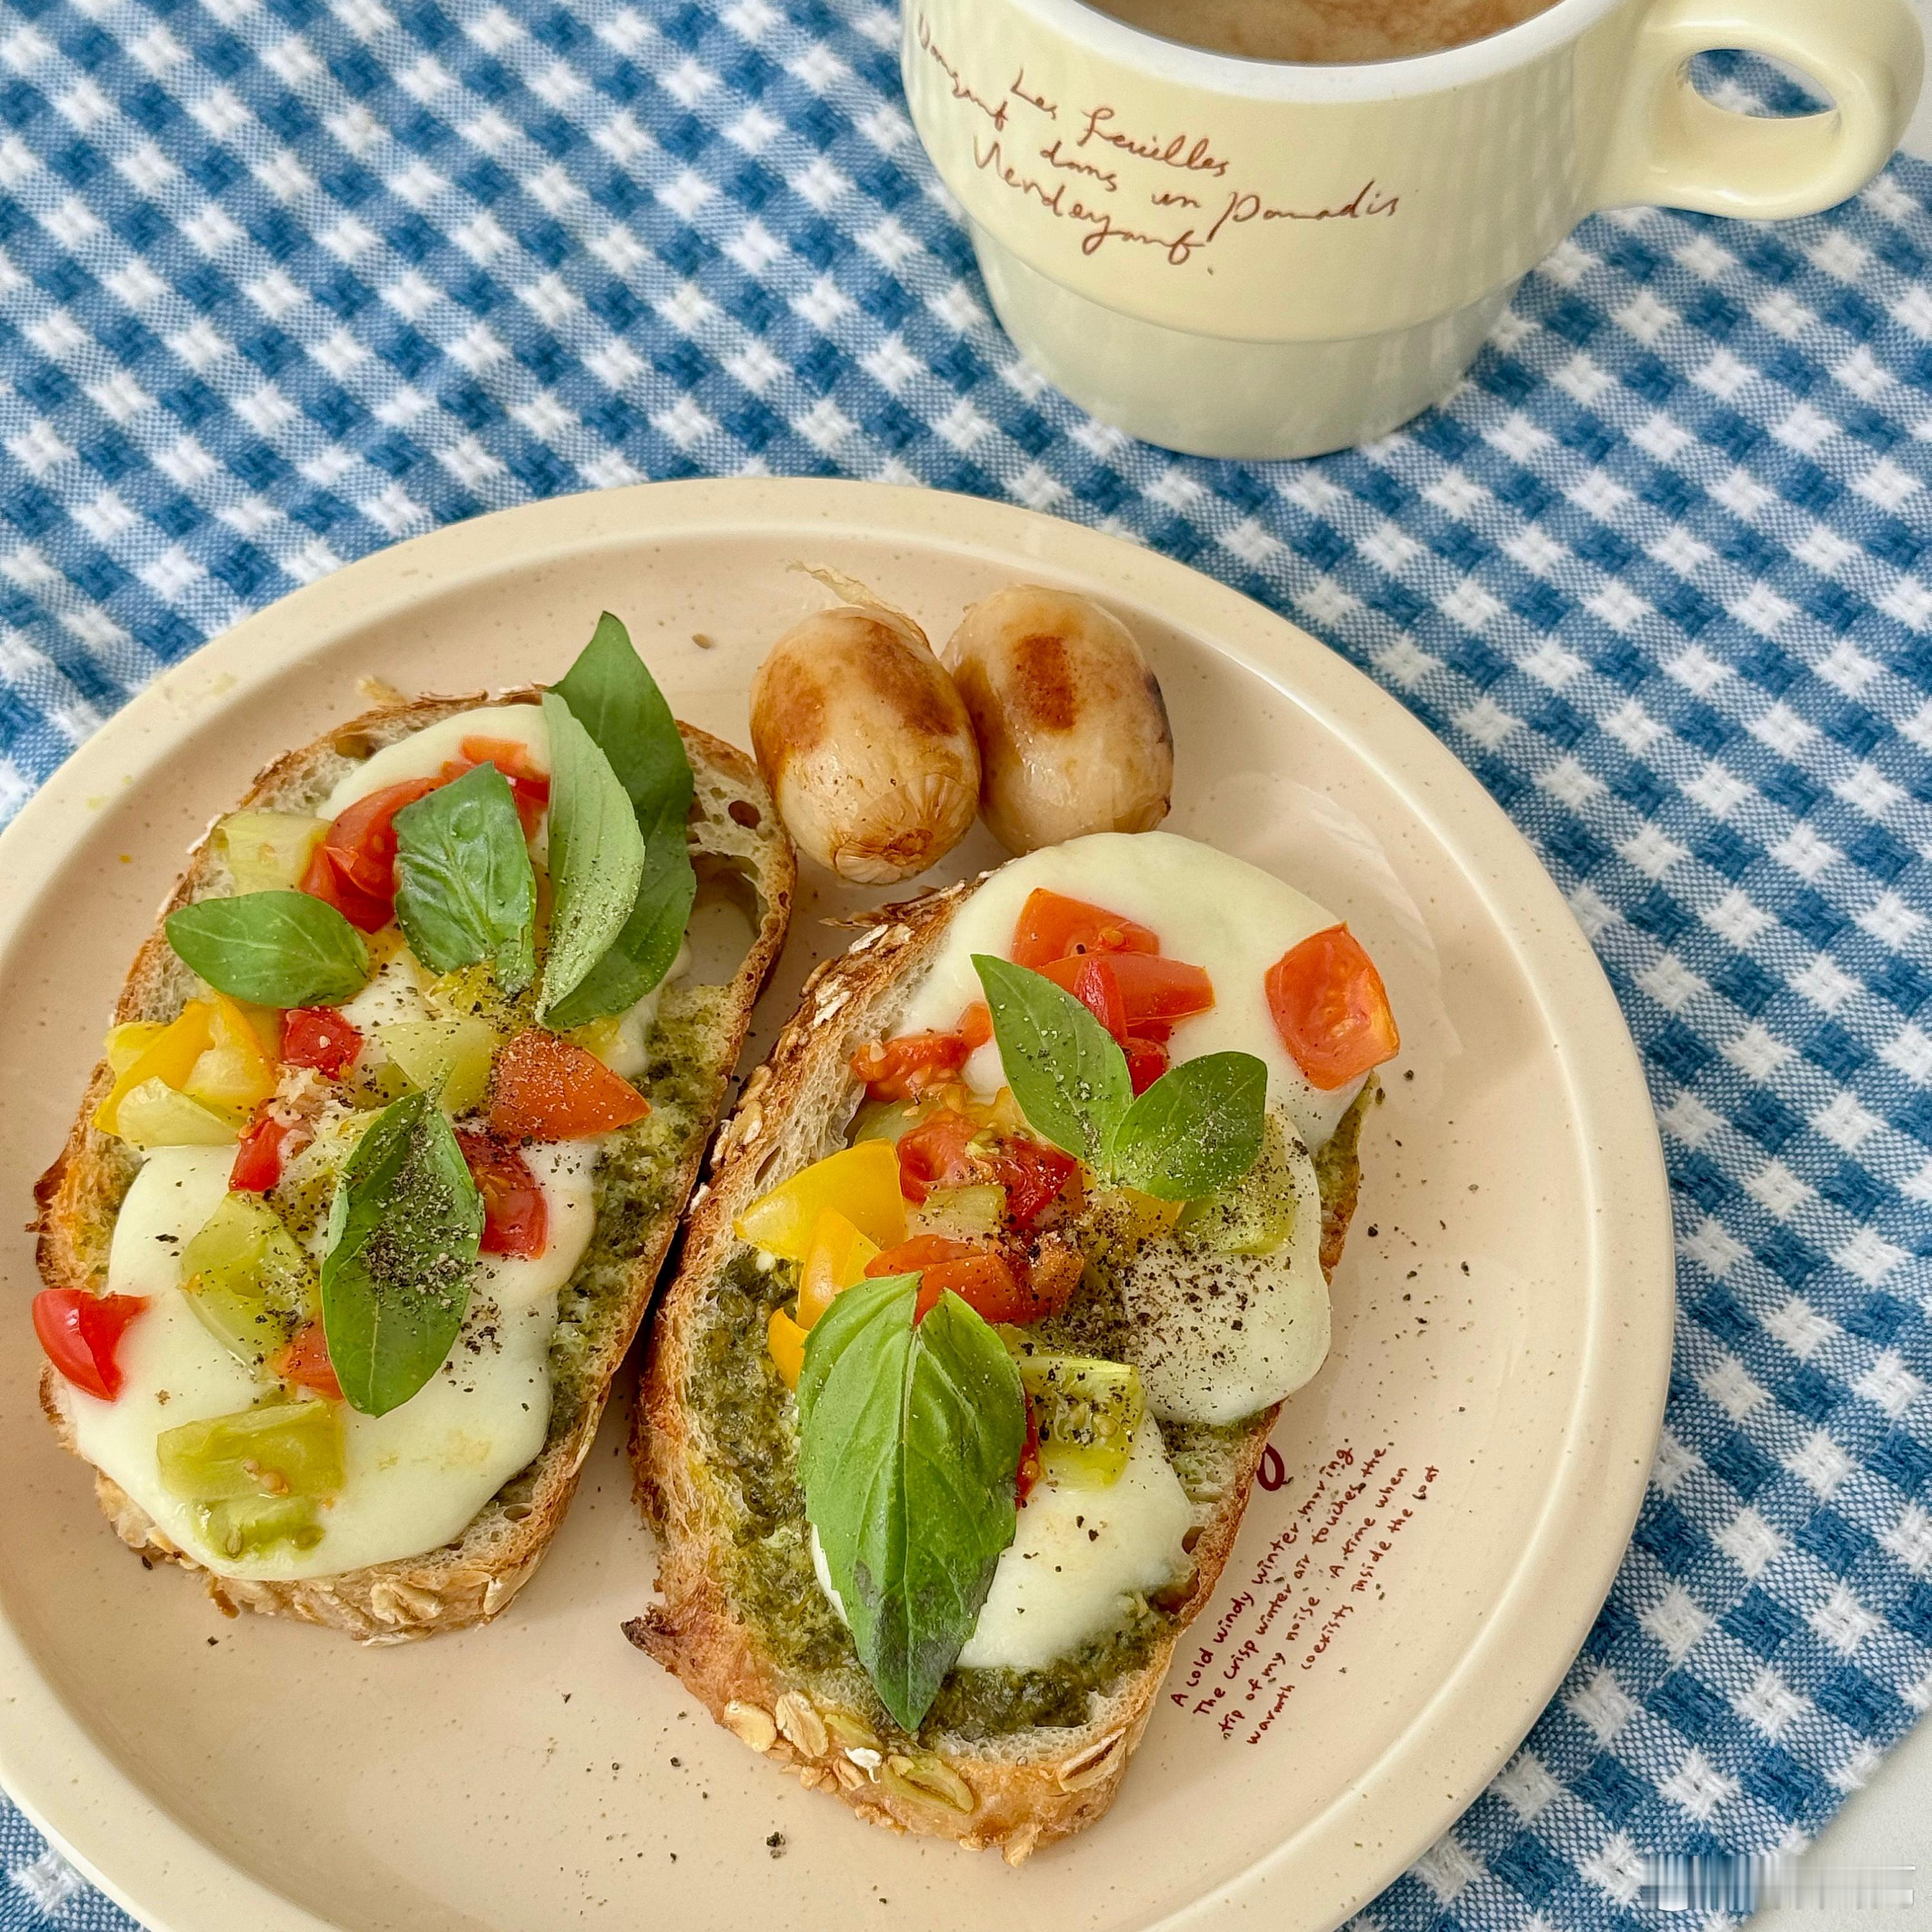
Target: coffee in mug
[1323,31]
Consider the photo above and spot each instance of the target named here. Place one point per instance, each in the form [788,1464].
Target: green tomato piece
[153,1114]
[448,1058]
[247,1280]
[245,1527]
[1085,1410]
[978,1210]
[303,1196]
[281,1450]
[1255,1216]
[884,1120]
[268,851]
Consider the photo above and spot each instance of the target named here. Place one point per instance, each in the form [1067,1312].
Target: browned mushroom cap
[1073,734]
[865,744]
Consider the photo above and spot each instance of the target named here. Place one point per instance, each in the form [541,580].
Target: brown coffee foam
[1323,32]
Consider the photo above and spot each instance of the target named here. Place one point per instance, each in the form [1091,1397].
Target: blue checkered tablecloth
[282,281]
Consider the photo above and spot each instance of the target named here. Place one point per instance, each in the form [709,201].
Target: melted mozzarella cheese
[424,753]
[1217,1337]
[1077,1556]
[414,1478]
[1214,911]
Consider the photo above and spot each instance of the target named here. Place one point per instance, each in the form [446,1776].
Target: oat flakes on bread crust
[1021,1790]
[734,830]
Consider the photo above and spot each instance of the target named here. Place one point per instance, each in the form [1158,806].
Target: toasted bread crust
[1027,1791]
[735,825]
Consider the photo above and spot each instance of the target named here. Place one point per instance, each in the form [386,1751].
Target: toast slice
[1024,1763]
[737,843]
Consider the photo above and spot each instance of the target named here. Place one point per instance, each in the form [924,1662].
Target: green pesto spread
[751,1469]
[751,1475]
[632,1188]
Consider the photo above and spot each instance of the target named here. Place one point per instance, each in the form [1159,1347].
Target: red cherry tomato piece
[1097,987]
[921,1255]
[258,1159]
[1052,927]
[1330,1009]
[324,880]
[529,785]
[304,1362]
[319,1037]
[903,1069]
[982,1277]
[513,758]
[1151,988]
[1028,1472]
[976,1025]
[1034,1176]
[545,1088]
[1147,1061]
[516,1217]
[354,867]
[82,1333]
[935,1154]
[923,1251]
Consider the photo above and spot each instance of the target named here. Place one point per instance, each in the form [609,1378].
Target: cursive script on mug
[1112,182]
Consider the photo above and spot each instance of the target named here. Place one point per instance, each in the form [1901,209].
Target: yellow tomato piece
[787,1342]
[862,1183]
[1152,1215]
[169,1057]
[836,1259]
[127,1043]
[471,993]
[236,1072]
[597,1037]
[384,946]
[267,1023]
[154,1114]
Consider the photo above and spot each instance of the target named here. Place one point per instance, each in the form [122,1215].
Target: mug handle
[1671,148]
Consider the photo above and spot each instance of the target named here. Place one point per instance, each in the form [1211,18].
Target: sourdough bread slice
[642,1180]
[1010,1759]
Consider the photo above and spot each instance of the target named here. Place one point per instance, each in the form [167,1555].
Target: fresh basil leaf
[404,1229]
[612,693]
[1196,1130]
[1067,1074]
[596,855]
[465,887]
[643,953]
[277,948]
[909,1442]
[825,1340]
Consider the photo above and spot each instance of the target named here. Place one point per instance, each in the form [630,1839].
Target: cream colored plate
[1502,1335]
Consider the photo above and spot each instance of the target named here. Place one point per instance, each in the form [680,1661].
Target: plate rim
[164,1874]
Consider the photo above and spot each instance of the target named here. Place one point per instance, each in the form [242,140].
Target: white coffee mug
[1239,258]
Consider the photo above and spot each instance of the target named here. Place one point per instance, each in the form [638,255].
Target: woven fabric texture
[282,282]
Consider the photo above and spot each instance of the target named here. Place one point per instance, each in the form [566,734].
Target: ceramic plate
[1449,1500]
